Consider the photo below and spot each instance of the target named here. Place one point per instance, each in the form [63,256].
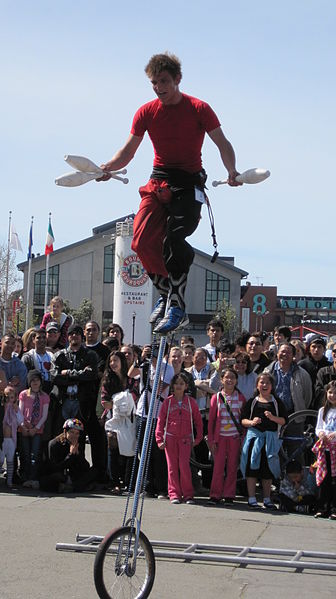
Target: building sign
[259,304]
[133,292]
[131,271]
[310,303]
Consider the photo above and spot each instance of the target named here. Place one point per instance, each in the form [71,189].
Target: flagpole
[29,271]
[7,275]
[47,274]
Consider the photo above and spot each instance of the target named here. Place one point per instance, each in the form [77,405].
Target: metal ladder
[297,559]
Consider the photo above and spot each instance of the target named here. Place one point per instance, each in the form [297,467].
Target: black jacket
[82,367]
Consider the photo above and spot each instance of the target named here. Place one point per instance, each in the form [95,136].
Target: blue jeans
[30,456]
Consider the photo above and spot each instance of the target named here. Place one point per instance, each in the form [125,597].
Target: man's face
[316,351]
[40,342]
[278,338]
[91,333]
[7,345]
[254,348]
[52,338]
[75,340]
[200,360]
[188,354]
[115,333]
[334,355]
[214,334]
[176,358]
[166,87]
[285,356]
[129,354]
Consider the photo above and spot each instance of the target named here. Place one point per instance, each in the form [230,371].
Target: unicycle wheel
[118,572]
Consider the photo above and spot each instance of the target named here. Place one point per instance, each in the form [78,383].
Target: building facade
[263,309]
[85,270]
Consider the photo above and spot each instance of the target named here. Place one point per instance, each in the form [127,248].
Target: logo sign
[259,304]
[132,272]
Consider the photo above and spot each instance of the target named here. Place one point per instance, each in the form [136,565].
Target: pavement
[32,522]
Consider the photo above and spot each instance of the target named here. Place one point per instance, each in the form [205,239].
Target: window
[217,288]
[39,285]
[109,264]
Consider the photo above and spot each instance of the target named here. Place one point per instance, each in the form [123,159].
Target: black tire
[114,573]
[300,428]
[300,415]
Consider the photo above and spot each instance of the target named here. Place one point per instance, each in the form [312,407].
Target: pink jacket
[178,423]
[214,422]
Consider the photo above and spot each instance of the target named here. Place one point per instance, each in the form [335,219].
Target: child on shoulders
[63,320]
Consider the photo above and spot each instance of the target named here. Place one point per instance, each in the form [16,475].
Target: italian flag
[49,247]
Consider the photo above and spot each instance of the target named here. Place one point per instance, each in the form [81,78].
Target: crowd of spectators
[67,392]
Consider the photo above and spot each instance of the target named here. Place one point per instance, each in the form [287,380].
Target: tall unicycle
[125,564]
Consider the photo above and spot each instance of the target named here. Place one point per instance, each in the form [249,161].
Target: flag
[30,242]
[14,241]
[49,248]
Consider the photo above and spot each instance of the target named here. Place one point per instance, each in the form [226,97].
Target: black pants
[182,220]
[202,456]
[327,491]
[96,436]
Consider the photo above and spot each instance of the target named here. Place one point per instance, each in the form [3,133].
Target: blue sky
[73,75]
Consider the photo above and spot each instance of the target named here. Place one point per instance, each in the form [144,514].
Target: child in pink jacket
[224,433]
[174,434]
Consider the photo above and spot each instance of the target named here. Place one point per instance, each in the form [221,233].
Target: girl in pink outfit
[174,434]
[12,419]
[224,435]
[34,405]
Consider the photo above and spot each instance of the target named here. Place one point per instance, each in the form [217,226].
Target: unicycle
[125,564]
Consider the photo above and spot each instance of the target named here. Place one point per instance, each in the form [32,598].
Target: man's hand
[232,179]
[105,177]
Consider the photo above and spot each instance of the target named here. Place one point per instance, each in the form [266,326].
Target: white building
[85,269]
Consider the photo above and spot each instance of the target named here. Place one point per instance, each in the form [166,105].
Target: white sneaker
[175,501]
[162,496]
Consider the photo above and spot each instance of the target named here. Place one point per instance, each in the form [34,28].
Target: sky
[73,76]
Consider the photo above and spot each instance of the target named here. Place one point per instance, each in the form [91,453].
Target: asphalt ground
[31,523]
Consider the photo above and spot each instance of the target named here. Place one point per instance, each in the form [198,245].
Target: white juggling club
[252,175]
[80,163]
[86,171]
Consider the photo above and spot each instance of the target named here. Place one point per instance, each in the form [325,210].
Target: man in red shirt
[172,199]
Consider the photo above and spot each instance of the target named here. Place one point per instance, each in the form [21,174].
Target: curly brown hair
[164,62]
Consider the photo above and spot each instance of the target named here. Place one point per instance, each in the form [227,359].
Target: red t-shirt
[176,131]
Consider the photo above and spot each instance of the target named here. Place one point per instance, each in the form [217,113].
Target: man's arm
[227,154]
[122,157]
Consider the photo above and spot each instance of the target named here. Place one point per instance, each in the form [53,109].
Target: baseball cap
[76,328]
[52,326]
